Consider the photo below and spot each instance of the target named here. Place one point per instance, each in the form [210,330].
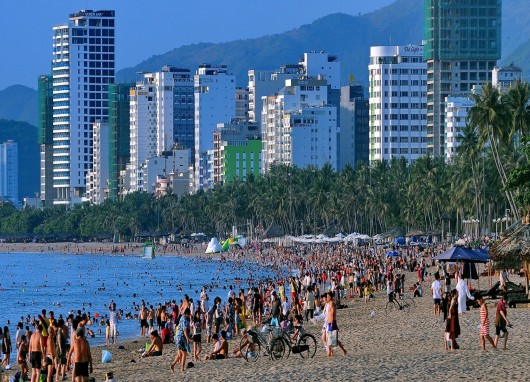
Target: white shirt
[436,289]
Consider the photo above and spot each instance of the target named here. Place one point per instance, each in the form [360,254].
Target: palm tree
[491,117]
[518,98]
[469,149]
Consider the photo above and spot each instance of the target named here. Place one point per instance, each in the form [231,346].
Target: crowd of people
[310,283]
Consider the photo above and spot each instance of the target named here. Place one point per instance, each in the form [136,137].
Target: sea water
[64,283]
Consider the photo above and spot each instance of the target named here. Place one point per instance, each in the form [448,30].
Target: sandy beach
[400,346]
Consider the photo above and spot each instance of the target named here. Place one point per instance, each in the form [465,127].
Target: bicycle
[305,344]
[396,304]
[252,342]
[409,300]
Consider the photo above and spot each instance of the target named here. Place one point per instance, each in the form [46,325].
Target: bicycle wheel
[277,349]
[287,341]
[409,300]
[405,306]
[307,346]
[250,352]
[390,307]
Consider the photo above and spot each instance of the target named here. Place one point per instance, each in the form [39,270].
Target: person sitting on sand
[245,344]
[156,347]
[216,345]
[222,351]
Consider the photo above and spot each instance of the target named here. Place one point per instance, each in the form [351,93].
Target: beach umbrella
[462,254]
[392,254]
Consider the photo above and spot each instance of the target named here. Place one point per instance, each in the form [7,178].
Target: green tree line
[488,176]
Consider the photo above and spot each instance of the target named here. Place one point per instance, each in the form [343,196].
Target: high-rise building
[242,104]
[354,131]
[462,41]
[398,102]
[457,107]
[262,83]
[300,128]
[119,134]
[147,131]
[45,139]
[9,172]
[237,151]
[98,176]
[181,82]
[214,103]
[82,67]
[456,111]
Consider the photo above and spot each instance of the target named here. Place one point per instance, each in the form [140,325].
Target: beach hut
[274,230]
[513,251]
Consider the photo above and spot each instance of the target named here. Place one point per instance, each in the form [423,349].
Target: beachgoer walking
[182,341]
[463,292]
[436,288]
[197,338]
[82,357]
[484,323]
[453,323]
[501,321]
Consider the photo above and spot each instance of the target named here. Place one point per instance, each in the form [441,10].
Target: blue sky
[148,27]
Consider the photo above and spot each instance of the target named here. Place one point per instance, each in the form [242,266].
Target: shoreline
[130,249]
[399,346]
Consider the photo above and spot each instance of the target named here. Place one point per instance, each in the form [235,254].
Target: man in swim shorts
[82,357]
[36,353]
[143,320]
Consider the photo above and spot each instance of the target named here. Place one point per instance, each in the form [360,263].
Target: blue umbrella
[392,253]
[462,254]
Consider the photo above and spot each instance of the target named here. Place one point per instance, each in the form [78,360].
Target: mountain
[25,135]
[19,103]
[349,37]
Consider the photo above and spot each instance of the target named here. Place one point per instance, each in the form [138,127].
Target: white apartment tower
[214,103]
[456,111]
[263,83]
[397,103]
[97,178]
[299,127]
[82,67]
[151,122]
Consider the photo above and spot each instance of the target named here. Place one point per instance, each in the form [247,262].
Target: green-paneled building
[462,43]
[119,133]
[237,151]
[45,138]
